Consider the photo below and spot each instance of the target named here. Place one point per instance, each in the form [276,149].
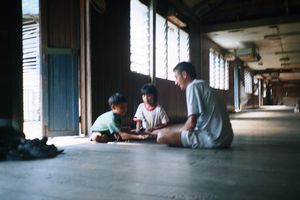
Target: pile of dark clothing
[14,146]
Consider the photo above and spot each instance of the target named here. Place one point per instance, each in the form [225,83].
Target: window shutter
[226,76]
[173,51]
[161,47]
[211,68]
[184,47]
[248,82]
[222,73]
[139,38]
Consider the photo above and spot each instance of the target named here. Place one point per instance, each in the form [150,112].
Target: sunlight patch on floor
[68,140]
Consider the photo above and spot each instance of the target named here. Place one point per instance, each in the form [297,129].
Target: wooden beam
[250,23]
[183,9]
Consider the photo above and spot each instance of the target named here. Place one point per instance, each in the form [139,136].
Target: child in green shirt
[108,126]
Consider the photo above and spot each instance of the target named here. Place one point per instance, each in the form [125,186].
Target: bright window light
[139,38]
[161,47]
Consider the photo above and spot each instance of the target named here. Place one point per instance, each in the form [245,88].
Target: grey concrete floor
[263,163]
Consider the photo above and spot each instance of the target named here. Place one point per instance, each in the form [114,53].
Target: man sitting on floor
[208,124]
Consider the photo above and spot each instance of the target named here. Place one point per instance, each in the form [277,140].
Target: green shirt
[108,122]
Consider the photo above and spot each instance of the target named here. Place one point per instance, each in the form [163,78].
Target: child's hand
[117,136]
[143,137]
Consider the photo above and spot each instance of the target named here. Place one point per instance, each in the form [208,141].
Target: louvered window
[161,48]
[31,61]
[255,84]
[172,43]
[218,71]
[139,38]
[264,90]
[222,73]
[173,50]
[31,70]
[248,82]
[184,47]
[226,76]
[211,68]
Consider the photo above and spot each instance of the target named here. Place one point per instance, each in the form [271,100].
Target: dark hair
[150,89]
[186,66]
[116,98]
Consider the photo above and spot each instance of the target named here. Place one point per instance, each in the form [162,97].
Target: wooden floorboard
[263,163]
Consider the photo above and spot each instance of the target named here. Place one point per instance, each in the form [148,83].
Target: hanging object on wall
[99,5]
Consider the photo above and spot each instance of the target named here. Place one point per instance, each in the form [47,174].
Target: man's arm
[128,136]
[190,123]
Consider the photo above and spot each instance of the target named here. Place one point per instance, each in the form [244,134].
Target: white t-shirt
[212,117]
[151,118]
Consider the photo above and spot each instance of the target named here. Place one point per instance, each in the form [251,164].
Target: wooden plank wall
[196,54]
[110,56]
[172,99]
[62,28]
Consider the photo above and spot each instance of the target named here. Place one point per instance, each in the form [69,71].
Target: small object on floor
[33,149]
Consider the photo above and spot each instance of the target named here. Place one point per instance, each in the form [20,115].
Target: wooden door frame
[85,95]
[85,106]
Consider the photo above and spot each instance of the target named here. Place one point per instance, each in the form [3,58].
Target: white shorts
[196,139]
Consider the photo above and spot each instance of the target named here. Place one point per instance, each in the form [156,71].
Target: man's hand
[190,123]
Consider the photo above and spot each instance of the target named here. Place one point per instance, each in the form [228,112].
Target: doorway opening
[32,108]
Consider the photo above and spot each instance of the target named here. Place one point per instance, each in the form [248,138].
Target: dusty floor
[263,163]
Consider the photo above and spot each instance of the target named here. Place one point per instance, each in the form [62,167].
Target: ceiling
[272,27]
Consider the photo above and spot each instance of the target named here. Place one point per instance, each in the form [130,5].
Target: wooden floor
[263,163]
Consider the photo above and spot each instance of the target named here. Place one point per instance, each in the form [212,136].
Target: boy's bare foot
[102,138]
